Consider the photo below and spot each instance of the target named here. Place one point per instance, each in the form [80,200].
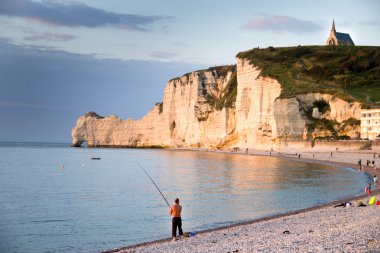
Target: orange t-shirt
[175,210]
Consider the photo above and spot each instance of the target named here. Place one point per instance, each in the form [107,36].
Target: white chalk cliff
[223,107]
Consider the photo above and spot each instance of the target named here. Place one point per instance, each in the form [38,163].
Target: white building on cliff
[370,124]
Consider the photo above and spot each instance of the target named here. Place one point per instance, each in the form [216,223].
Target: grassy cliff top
[348,72]
[220,71]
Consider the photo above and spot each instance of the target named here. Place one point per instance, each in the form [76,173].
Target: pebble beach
[331,227]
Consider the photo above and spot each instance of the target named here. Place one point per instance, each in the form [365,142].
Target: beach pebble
[327,229]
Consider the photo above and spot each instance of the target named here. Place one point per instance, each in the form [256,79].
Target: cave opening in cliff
[81,144]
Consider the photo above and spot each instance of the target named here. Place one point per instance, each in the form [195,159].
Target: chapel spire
[333,27]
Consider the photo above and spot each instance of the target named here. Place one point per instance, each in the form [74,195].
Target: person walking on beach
[175,212]
[374,180]
[368,189]
[360,164]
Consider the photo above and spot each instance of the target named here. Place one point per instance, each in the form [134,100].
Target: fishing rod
[153,182]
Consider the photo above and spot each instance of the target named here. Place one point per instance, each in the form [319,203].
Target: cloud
[31,34]
[5,41]
[50,37]
[8,25]
[75,15]
[180,44]
[162,54]
[11,104]
[282,24]
[372,22]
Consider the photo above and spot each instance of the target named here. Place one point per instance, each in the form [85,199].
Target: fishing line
[153,182]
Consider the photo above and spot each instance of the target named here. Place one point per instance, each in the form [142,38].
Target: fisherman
[175,212]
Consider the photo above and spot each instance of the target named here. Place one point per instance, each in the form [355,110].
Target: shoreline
[132,248]
[338,158]
[321,156]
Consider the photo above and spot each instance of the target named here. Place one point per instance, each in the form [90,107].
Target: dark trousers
[176,222]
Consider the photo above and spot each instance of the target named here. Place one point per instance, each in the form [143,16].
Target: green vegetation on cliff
[228,97]
[348,72]
[221,71]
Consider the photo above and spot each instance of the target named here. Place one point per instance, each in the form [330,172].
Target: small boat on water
[96,158]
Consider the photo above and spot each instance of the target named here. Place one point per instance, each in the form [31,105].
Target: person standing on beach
[360,164]
[368,189]
[374,180]
[175,212]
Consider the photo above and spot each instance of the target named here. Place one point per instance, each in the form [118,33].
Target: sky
[62,58]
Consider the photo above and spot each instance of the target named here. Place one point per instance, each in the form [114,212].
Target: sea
[56,198]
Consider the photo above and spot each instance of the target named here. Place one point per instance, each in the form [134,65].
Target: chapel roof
[344,38]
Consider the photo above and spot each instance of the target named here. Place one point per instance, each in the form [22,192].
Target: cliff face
[187,117]
[224,107]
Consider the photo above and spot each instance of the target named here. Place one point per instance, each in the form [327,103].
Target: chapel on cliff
[337,38]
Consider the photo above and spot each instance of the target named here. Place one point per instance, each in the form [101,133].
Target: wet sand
[324,228]
[336,158]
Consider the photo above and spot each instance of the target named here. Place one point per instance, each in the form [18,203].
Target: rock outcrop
[223,107]
[188,116]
